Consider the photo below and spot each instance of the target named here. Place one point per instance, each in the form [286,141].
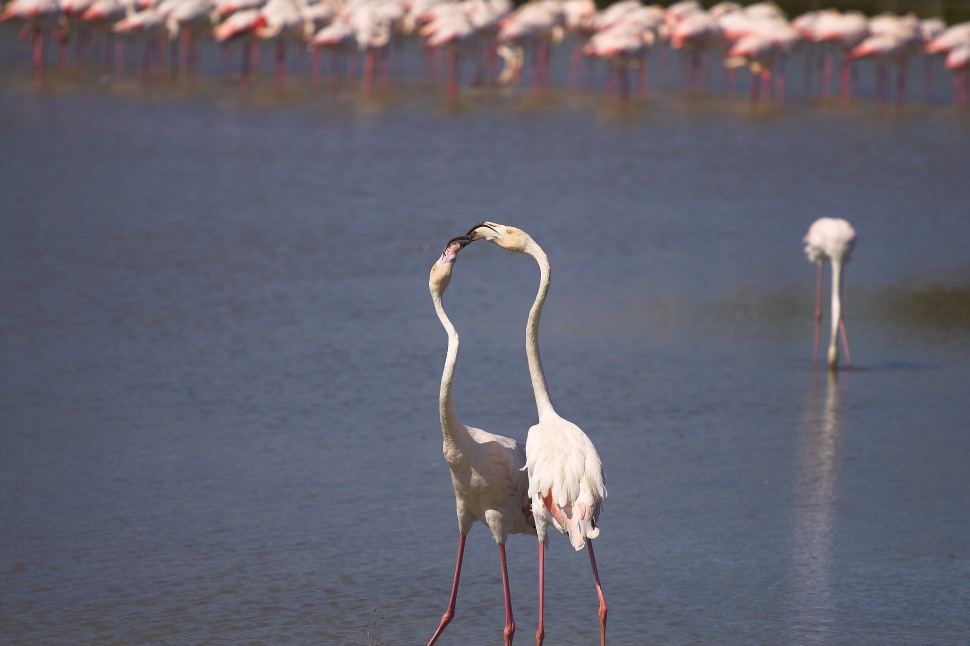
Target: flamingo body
[830,239]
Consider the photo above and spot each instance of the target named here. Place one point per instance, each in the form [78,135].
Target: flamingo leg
[845,342]
[509,620]
[450,612]
[38,53]
[280,64]
[599,593]
[818,314]
[541,632]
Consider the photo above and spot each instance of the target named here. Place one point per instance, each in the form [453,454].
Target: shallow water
[218,403]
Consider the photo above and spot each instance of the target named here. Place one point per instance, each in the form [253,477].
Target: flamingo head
[507,237]
[441,270]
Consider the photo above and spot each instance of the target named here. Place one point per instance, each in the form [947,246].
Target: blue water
[220,364]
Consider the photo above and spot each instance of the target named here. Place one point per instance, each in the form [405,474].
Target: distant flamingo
[487,470]
[152,26]
[242,25]
[698,34]
[450,26]
[623,38]
[40,17]
[622,47]
[892,39]
[566,480]
[830,239]
[534,26]
[762,43]
[954,43]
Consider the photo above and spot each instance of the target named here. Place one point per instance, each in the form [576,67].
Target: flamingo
[449,26]
[696,33]
[760,42]
[40,16]
[566,481]
[845,31]
[954,43]
[487,470]
[830,239]
[891,40]
[242,24]
[189,20]
[538,25]
[623,46]
[152,25]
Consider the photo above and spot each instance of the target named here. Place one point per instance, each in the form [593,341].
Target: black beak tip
[461,240]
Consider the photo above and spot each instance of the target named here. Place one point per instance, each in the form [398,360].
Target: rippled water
[220,365]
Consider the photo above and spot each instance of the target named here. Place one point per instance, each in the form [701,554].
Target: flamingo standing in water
[40,17]
[830,239]
[566,481]
[487,470]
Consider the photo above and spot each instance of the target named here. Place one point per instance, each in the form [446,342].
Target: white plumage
[830,239]
[566,482]
[487,470]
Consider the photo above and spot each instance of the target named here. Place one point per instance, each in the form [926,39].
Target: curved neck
[543,403]
[446,400]
[833,353]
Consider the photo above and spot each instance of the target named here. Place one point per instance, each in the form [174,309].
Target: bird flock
[502,41]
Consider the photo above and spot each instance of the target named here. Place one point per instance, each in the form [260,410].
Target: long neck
[543,403]
[833,353]
[451,426]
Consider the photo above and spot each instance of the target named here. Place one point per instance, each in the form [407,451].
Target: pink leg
[280,64]
[450,612]
[818,314]
[845,342]
[599,592]
[453,74]
[509,620]
[38,53]
[541,632]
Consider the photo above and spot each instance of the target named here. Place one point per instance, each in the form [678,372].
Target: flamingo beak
[462,241]
[473,232]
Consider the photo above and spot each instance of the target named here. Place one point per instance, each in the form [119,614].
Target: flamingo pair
[555,479]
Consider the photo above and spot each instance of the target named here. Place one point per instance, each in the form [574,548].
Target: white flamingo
[566,481]
[830,239]
[487,470]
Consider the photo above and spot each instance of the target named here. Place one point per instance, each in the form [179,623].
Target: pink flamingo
[189,20]
[282,21]
[101,15]
[241,25]
[623,45]
[152,26]
[450,26]
[339,38]
[40,17]
[761,43]
[954,38]
[698,34]
[534,26]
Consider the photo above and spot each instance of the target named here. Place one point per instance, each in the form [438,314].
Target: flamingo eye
[508,232]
